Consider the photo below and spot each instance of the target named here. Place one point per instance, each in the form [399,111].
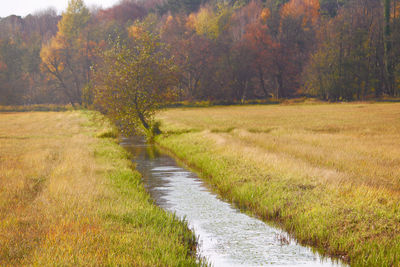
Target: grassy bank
[329,174]
[44,107]
[68,197]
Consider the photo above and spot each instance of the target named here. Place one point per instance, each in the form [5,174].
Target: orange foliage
[169,20]
[191,21]
[308,10]
[123,12]
[265,13]
[135,31]
[52,54]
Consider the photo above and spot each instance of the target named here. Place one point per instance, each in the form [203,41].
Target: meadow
[69,196]
[329,174]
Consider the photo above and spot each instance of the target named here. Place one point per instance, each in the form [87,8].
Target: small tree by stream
[134,81]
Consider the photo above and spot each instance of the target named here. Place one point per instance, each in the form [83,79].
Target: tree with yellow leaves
[66,57]
[133,80]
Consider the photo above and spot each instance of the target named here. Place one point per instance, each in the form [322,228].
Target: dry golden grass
[330,173]
[69,198]
[361,141]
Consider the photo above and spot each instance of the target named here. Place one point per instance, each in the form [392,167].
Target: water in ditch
[227,237]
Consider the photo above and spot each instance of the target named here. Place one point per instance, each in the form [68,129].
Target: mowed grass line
[329,174]
[71,198]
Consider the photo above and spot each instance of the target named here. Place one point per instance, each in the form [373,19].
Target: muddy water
[226,236]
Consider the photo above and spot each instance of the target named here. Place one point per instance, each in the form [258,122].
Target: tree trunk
[262,82]
[389,81]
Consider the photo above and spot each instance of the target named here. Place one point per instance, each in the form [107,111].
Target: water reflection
[226,236]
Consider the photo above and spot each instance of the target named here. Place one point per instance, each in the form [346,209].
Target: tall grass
[329,174]
[70,197]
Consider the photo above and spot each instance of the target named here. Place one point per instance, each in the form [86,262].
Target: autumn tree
[66,57]
[21,39]
[133,80]
[193,53]
[122,12]
[282,42]
[12,79]
[346,66]
[177,6]
[227,51]
[391,45]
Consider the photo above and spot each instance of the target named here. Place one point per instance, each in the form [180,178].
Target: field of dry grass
[327,173]
[70,198]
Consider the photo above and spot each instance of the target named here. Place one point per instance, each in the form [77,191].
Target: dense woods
[223,51]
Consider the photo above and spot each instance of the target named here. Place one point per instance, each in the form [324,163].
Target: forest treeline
[226,51]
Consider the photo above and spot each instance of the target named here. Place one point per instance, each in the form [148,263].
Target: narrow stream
[226,236]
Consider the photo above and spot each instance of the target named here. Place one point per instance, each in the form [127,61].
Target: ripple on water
[226,236]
